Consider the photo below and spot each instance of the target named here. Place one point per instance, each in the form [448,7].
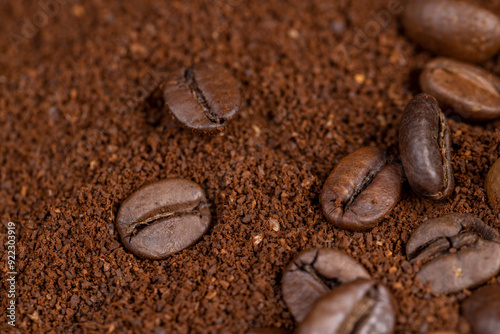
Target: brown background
[74,145]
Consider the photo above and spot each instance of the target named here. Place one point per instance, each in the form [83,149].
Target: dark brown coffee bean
[458,251]
[453,28]
[314,273]
[163,218]
[361,189]
[492,185]
[482,310]
[358,307]
[202,97]
[424,143]
[472,93]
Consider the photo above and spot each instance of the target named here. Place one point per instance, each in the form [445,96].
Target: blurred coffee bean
[492,185]
[314,273]
[453,28]
[163,218]
[361,306]
[482,310]
[472,93]
[361,190]
[202,97]
[458,251]
[424,143]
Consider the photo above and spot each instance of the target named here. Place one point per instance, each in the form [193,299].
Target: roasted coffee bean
[453,28]
[163,218]
[314,273]
[424,143]
[492,185]
[361,306]
[482,310]
[361,189]
[202,97]
[458,251]
[471,92]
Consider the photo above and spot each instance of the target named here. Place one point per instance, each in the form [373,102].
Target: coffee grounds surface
[76,141]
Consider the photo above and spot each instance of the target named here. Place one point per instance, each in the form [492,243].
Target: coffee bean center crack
[443,147]
[328,283]
[364,184]
[141,224]
[444,244]
[360,312]
[478,81]
[200,97]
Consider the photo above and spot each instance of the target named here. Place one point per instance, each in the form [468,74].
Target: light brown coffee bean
[312,274]
[471,92]
[458,251]
[358,307]
[163,218]
[363,187]
[202,97]
[453,28]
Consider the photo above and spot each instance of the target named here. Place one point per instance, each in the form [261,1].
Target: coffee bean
[453,28]
[361,306]
[202,97]
[482,310]
[458,251]
[163,218]
[424,143]
[472,93]
[361,190]
[492,185]
[314,273]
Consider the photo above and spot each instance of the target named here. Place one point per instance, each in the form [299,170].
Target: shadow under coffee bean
[458,251]
[163,218]
[482,310]
[202,97]
[312,274]
[360,306]
[471,92]
[424,144]
[361,190]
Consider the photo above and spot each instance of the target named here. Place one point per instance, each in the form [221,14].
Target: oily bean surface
[203,97]
[163,218]
[471,92]
[482,310]
[361,306]
[453,28]
[424,143]
[312,274]
[458,251]
[492,185]
[361,190]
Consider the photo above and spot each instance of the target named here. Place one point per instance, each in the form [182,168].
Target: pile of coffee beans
[326,290]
